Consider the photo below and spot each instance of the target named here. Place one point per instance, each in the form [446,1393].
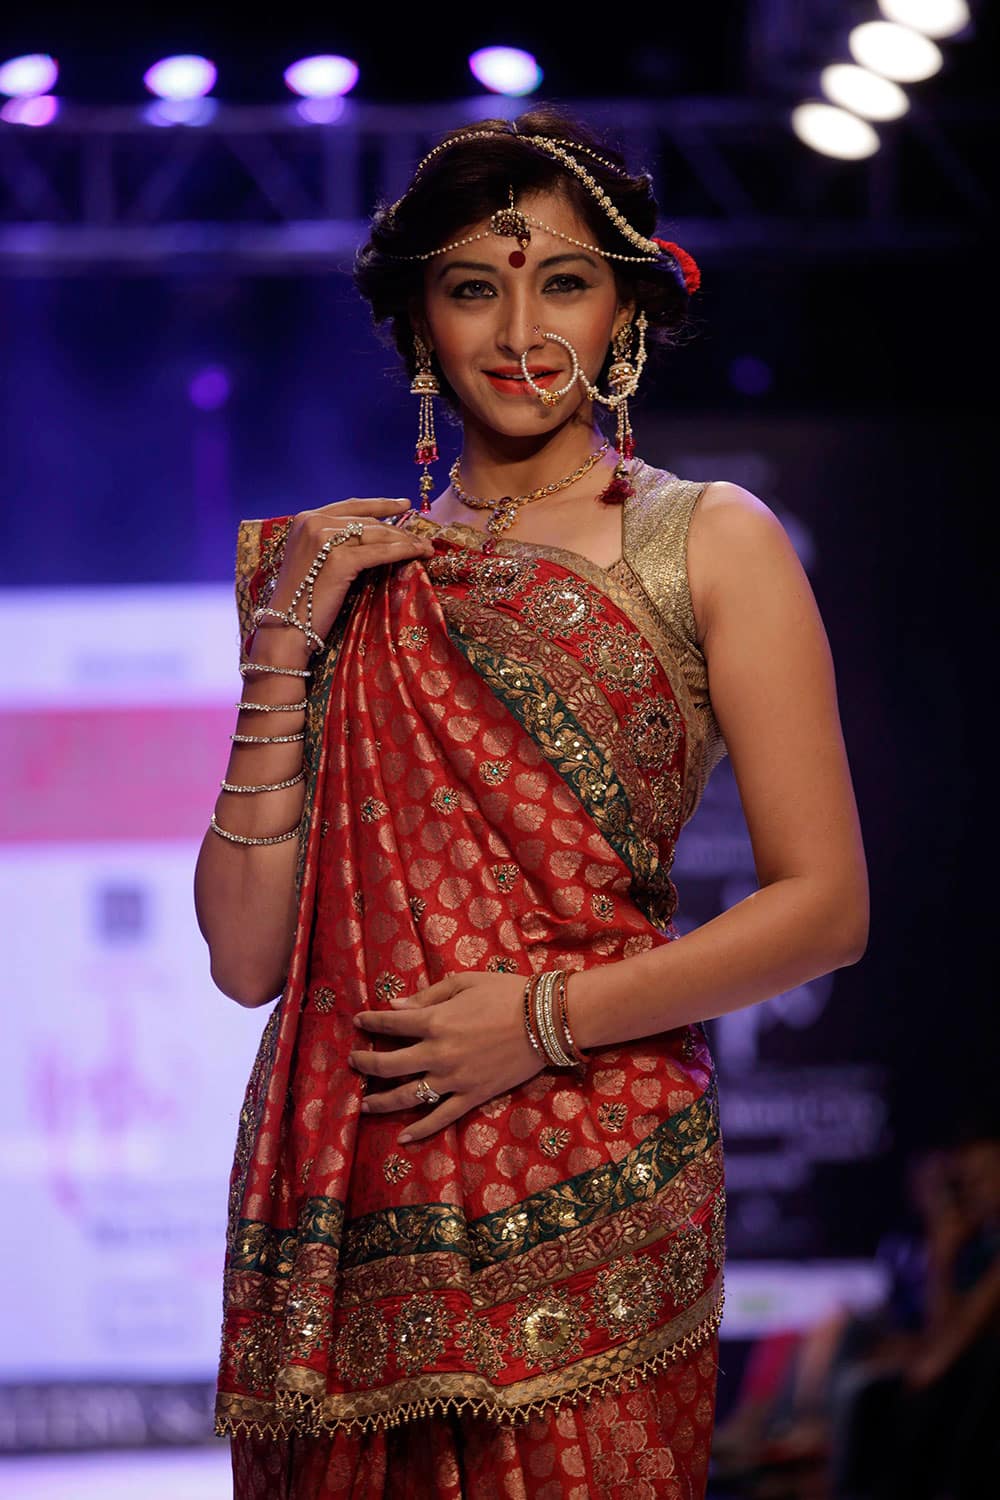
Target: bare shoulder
[737,548]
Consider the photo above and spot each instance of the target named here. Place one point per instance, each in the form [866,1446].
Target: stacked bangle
[243,838]
[528,1023]
[547,1022]
[267,739]
[273,708]
[250,668]
[269,786]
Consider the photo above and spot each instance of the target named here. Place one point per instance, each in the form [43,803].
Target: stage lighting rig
[894,51]
[863,93]
[936,18]
[506,70]
[834,131]
[29,76]
[325,76]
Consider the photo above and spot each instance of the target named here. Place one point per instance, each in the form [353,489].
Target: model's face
[481,314]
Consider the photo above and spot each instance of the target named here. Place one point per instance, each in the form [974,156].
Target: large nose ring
[549,398]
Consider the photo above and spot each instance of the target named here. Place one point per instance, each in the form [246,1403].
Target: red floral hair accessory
[686,264]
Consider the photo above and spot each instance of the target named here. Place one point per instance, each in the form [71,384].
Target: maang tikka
[425,385]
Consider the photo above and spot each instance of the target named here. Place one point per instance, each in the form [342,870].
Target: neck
[495,465]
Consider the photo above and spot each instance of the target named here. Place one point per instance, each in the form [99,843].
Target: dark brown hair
[466,183]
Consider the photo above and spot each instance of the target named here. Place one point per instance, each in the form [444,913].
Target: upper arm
[772,687]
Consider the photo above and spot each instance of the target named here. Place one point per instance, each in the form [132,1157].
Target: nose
[518,331]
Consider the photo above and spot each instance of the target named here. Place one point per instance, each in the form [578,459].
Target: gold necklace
[506,508]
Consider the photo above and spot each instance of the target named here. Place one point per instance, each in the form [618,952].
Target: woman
[476,1220]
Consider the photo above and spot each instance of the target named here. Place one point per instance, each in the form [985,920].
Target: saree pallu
[501,749]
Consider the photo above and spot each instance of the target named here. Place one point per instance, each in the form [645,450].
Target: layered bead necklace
[505,510]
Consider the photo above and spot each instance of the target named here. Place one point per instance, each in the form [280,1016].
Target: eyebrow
[482,265]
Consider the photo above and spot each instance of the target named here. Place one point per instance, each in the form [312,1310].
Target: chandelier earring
[425,385]
[623,381]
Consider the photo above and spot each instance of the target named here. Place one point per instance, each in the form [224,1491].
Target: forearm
[245,894]
[782,935]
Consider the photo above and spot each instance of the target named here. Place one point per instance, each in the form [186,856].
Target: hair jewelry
[513,221]
[425,385]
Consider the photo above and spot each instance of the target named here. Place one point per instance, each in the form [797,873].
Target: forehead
[556,228]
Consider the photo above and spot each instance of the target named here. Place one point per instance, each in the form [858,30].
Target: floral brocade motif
[506,801]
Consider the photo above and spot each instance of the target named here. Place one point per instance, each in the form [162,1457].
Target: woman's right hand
[378,544]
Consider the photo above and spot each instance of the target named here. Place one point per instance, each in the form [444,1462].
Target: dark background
[842,367]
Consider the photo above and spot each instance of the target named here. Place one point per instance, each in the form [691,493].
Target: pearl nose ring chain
[549,398]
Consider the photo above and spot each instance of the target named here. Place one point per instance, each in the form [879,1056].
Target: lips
[510,379]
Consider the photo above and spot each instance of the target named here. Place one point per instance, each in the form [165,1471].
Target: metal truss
[259,190]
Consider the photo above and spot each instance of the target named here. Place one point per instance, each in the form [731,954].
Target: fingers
[378,544]
[445,1113]
[397,507]
[391,1023]
[389,1064]
[374,533]
[432,994]
[404,1097]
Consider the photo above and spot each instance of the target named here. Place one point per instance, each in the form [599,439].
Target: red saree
[501,750]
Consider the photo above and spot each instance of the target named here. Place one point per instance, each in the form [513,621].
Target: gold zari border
[297,1414]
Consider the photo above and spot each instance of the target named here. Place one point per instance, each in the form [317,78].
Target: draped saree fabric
[501,749]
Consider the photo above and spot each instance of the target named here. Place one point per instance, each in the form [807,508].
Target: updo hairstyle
[468,182]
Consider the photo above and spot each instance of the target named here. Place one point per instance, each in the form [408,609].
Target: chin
[523,420]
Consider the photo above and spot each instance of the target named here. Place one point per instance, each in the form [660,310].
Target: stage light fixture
[834,132]
[38,109]
[863,93]
[323,77]
[936,18]
[26,77]
[506,70]
[183,77]
[897,52]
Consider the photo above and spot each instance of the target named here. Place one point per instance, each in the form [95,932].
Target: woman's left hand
[467,1041]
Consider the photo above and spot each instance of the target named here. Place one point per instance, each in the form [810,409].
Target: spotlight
[25,77]
[180,78]
[323,77]
[863,93]
[935,18]
[41,109]
[506,70]
[834,132]
[895,51]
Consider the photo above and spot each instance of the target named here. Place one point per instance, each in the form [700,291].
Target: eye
[470,289]
[565,282]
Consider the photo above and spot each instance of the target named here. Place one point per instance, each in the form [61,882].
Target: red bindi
[516,258]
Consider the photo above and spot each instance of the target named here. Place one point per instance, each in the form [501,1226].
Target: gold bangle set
[546,1020]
